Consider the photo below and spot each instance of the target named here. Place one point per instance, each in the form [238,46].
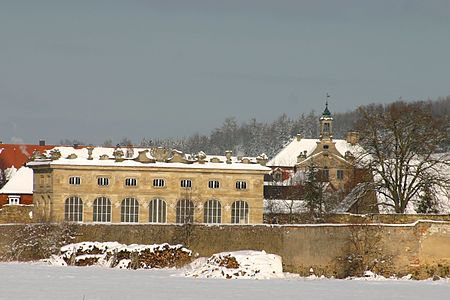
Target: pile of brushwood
[116,255]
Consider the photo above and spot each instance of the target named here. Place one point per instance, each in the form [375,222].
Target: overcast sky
[97,70]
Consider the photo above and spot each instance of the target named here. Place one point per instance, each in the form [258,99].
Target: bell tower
[326,123]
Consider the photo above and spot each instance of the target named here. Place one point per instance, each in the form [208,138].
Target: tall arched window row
[212,212]
[73,209]
[185,211]
[102,210]
[157,211]
[129,210]
[239,212]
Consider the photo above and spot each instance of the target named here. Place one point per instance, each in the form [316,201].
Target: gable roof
[287,157]
[20,183]
[17,155]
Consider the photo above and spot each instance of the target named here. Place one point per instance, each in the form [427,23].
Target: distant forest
[253,138]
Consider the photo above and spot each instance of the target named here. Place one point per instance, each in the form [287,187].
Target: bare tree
[125,142]
[69,142]
[108,143]
[400,144]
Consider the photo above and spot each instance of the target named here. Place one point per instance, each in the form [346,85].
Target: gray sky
[95,70]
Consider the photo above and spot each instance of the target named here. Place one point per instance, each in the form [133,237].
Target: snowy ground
[39,281]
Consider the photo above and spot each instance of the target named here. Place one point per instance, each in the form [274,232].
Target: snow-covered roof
[287,157]
[20,183]
[82,160]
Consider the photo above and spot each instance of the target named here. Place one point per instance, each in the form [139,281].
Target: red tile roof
[17,155]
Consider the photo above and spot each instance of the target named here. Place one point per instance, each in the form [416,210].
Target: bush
[37,241]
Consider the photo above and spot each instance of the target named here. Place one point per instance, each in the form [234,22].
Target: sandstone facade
[129,191]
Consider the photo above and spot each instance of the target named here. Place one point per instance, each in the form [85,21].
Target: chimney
[299,137]
[352,137]
[41,142]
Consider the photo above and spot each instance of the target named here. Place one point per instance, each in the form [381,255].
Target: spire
[326,112]
[326,123]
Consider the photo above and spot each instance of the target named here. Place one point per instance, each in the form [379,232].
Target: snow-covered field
[41,281]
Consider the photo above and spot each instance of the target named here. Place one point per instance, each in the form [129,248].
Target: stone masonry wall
[15,214]
[421,249]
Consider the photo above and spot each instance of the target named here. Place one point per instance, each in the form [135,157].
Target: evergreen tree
[314,196]
[427,203]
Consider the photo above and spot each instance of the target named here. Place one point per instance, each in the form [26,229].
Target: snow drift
[239,264]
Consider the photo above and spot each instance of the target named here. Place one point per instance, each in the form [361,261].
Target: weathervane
[326,102]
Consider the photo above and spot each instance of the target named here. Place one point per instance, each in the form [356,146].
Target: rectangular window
[74,180]
[13,200]
[340,174]
[241,185]
[158,182]
[130,181]
[213,184]
[186,183]
[103,181]
[325,175]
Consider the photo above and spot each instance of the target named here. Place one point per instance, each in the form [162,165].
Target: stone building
[108,185]
[333,159]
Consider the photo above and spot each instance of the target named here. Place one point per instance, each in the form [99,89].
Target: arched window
[212,212]
[239,212]
[185,211]
[326,128]
[157,211]
[102,210]
[129,210]
[73,209]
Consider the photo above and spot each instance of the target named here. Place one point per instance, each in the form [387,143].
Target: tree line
[253,137]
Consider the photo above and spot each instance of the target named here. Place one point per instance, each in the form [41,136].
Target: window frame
[103,181]
[128,213]
[98,209]
[159,206]
[76,180]
[237,207]
[186,183]
[13,200]
[214,184]
[325,174]
[181,215]
[340,174]
[73,211]
[241,185]
[129,180]
[158,182]
[212,212]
